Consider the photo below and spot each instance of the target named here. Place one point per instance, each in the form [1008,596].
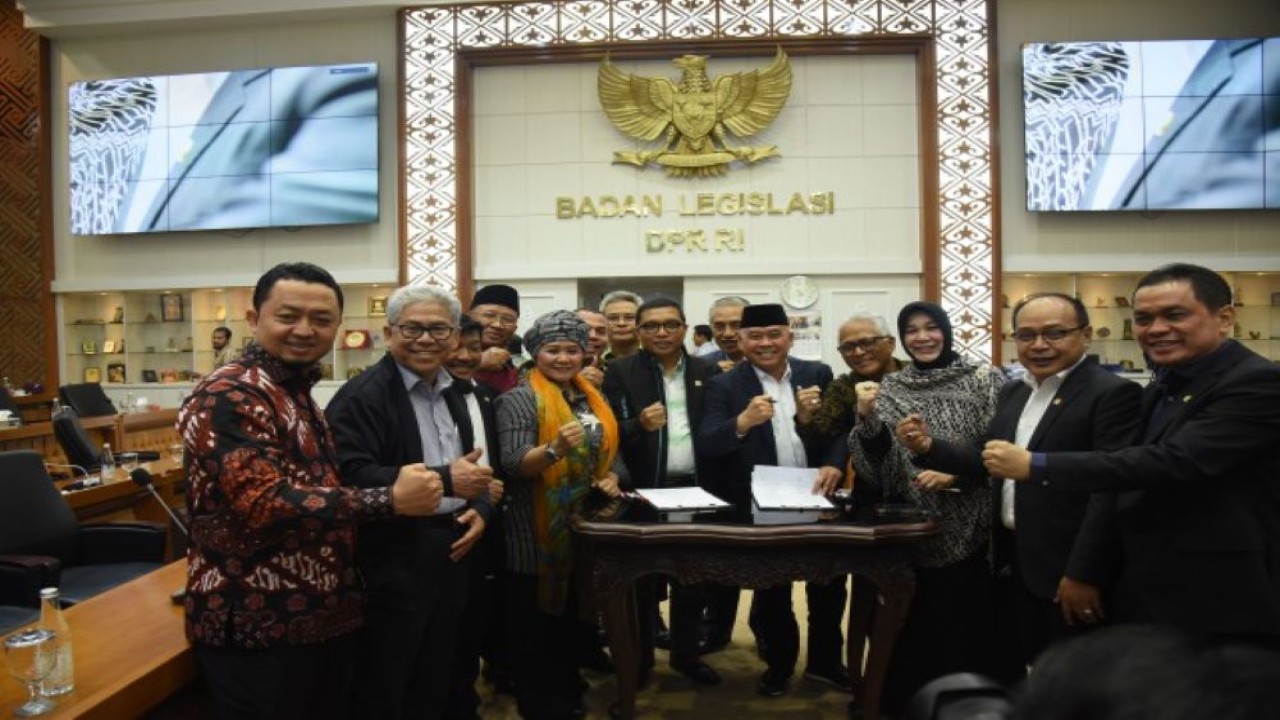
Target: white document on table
[786,488]
[682,498]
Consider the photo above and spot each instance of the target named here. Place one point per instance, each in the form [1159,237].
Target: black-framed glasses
[1052,335]
[437,332]
[671,326]
[866,345]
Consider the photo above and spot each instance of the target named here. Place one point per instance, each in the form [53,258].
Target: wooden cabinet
[156,344]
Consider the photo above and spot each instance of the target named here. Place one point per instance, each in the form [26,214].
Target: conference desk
[118,498]
[752,550]
[131,651]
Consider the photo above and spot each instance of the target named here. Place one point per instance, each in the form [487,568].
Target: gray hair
[618,295]
[408,295]
[882,325]
[727,301]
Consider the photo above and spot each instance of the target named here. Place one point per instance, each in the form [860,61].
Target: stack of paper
[786,488]
[682,498]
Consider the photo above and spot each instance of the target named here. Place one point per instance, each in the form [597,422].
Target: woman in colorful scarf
[948,627]
[559,443]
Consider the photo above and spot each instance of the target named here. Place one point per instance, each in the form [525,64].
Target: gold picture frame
[93,374]
[377,306]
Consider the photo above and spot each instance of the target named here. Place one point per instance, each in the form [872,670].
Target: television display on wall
[269,147]
[1148,126]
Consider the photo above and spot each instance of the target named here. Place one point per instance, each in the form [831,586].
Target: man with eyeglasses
[657,395]
[619,308]
[725,318]
[497,309]
[1197,505]
[750,420]
[1057,547]
[394,418]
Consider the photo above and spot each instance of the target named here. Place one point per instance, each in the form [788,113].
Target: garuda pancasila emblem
[695,116]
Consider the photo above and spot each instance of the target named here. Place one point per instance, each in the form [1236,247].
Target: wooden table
[131,651]
[118,498]
[753,551]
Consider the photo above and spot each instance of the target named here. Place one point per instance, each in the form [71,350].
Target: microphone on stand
[142,478]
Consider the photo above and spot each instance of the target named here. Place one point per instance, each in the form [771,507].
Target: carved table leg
[887,620]
[623,629]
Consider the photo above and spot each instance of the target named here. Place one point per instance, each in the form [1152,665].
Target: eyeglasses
[437,332]
[866,345]
[671,326]
[1052,335]
[489,317]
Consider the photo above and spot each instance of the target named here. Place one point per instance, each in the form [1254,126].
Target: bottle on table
[108,461]
[62,679]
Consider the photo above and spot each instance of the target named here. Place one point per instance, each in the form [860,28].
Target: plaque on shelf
[108,346]
[93,374]
[115,372]
[171,308]
[89,347]
[377,306]
[357,340]
[149,376]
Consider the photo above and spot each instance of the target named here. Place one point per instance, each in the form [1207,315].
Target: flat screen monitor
[270,147]
[1149,126]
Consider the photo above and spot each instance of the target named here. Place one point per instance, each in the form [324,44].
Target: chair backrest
[34,517]
[87,399]
[73,439]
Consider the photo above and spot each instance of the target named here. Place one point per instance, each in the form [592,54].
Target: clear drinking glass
[128,461]
[175,453]
[30,655]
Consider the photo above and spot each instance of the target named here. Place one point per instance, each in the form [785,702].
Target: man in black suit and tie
[657,396]
[397,416]
[1198,508]
[750,419]
[1059,545]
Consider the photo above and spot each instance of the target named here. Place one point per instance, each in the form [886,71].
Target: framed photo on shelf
[93,374]
[89,347]
[377,306]
[171,308]
[116,372]
[149,376]
[108,346]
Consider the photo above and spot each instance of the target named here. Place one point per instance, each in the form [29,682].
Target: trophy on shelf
[118,317]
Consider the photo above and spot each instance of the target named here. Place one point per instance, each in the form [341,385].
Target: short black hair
[467,326]
[704,331]
[658,302]
[1207,285]
[1082,315]
[303,271]
[222,329]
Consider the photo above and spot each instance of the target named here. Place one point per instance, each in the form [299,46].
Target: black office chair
[80,560]
[87,399]
[79,449]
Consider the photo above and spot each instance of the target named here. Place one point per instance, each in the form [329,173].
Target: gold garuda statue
[695,116]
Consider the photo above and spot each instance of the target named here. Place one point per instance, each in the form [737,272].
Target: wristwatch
[550,451]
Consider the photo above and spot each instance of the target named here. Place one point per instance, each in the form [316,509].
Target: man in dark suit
[485,616]
[1198,508]
[750,419]
[1059,545]
[397,416]
[657,396]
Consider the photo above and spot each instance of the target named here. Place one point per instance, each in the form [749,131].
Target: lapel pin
[697,383]
[1057,401]
[1186,398]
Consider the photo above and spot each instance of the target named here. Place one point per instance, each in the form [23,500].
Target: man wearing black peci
[393,418]
[750,419]
[497,309]
[657,396]
[1060,546]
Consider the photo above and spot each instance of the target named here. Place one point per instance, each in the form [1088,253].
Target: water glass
[30,655]
[175,453]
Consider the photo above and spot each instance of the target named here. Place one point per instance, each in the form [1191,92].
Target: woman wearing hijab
[948,624]
[559,442]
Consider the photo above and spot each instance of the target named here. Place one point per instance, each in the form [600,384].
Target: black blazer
[728,395]
[635,382]
[457,400]
[1199,511]
[376,432]
[1057,533]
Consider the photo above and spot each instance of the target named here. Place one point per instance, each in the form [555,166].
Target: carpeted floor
[670,695]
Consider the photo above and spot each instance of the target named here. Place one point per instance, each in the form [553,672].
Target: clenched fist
[867,393]
[758,412]
[807,402]
[416,491]
[470,480]
[653,417]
